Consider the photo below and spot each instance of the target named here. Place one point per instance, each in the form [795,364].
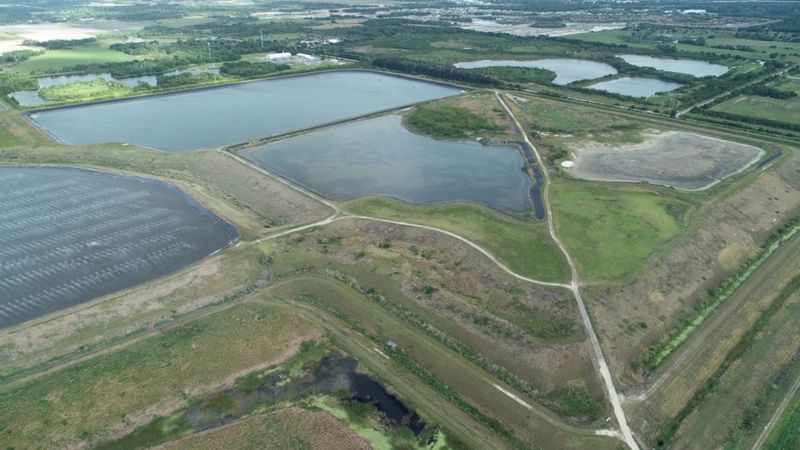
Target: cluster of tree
[451,122]
[436,71]
[751,120]
[60,44]
[248,69]
[548,22]
[519,74]
[18,56]
[741,48]
[12,83]
[185,79]
[137,48]
[134,68]
[700,42]
[769,91]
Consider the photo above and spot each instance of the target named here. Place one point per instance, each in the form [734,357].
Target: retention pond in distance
[381,157]
[223,115]
[72,235]
[567,70]
[687,66]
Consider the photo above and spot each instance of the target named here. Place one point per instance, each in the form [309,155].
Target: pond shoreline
[27,113]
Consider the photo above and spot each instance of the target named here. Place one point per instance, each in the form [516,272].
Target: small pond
[566,70]
[381,157]
[687,66]
[636,86]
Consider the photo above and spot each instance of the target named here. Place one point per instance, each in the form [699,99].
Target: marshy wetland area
[333,228]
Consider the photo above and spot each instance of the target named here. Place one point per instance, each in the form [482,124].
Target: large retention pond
[235,113]
[71,235]
[379,156]
[567,70]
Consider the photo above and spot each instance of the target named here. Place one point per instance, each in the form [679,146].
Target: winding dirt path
[605,372]
[624,432]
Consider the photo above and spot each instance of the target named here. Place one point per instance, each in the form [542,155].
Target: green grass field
[712,38]
[763,107]
[60,59]
[576,123]
[522,244]
[787,110]
[611,230]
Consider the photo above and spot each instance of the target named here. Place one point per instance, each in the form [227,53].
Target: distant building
[694,11]
[278,56]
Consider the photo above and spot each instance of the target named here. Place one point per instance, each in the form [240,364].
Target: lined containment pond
[379,156]
[229,114]
[567,70]
[72,235]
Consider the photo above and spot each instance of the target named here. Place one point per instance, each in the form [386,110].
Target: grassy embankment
[523,245]
[743,385]
[7,139]
[661,351]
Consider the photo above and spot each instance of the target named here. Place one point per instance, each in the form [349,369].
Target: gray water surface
[566,70]
[235,113]
[379,156]
[636,86]
[70,235]
[687,66]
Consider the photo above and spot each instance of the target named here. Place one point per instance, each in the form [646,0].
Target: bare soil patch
[678,159]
